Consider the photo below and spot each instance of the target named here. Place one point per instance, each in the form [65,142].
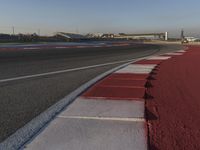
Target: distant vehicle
[184,41]
[191,39]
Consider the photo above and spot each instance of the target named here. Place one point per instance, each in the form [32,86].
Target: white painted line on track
[104,118]
[63,71]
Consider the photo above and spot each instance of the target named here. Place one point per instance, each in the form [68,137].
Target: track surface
[173,111]
[22,100]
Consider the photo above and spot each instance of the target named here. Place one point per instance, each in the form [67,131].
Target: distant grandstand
[160,36]
[73,37]
[70,36]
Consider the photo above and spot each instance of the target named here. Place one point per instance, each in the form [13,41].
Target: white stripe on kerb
[158,58]
[148,66]
[181,51]
[173,54]
[104,118]
[136,69]
[94,107]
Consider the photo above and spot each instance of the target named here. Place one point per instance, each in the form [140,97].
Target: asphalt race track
[31,80]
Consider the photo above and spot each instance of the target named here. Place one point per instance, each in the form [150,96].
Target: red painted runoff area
[173,111]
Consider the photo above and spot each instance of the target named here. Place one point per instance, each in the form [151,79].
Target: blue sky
[83,16]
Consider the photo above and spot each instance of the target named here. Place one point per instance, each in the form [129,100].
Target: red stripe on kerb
[116,93]
[122,82]
[148,62]
[129,76]
[169,55]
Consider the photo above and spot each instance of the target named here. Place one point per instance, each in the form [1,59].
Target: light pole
[13,30]
[39,32]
